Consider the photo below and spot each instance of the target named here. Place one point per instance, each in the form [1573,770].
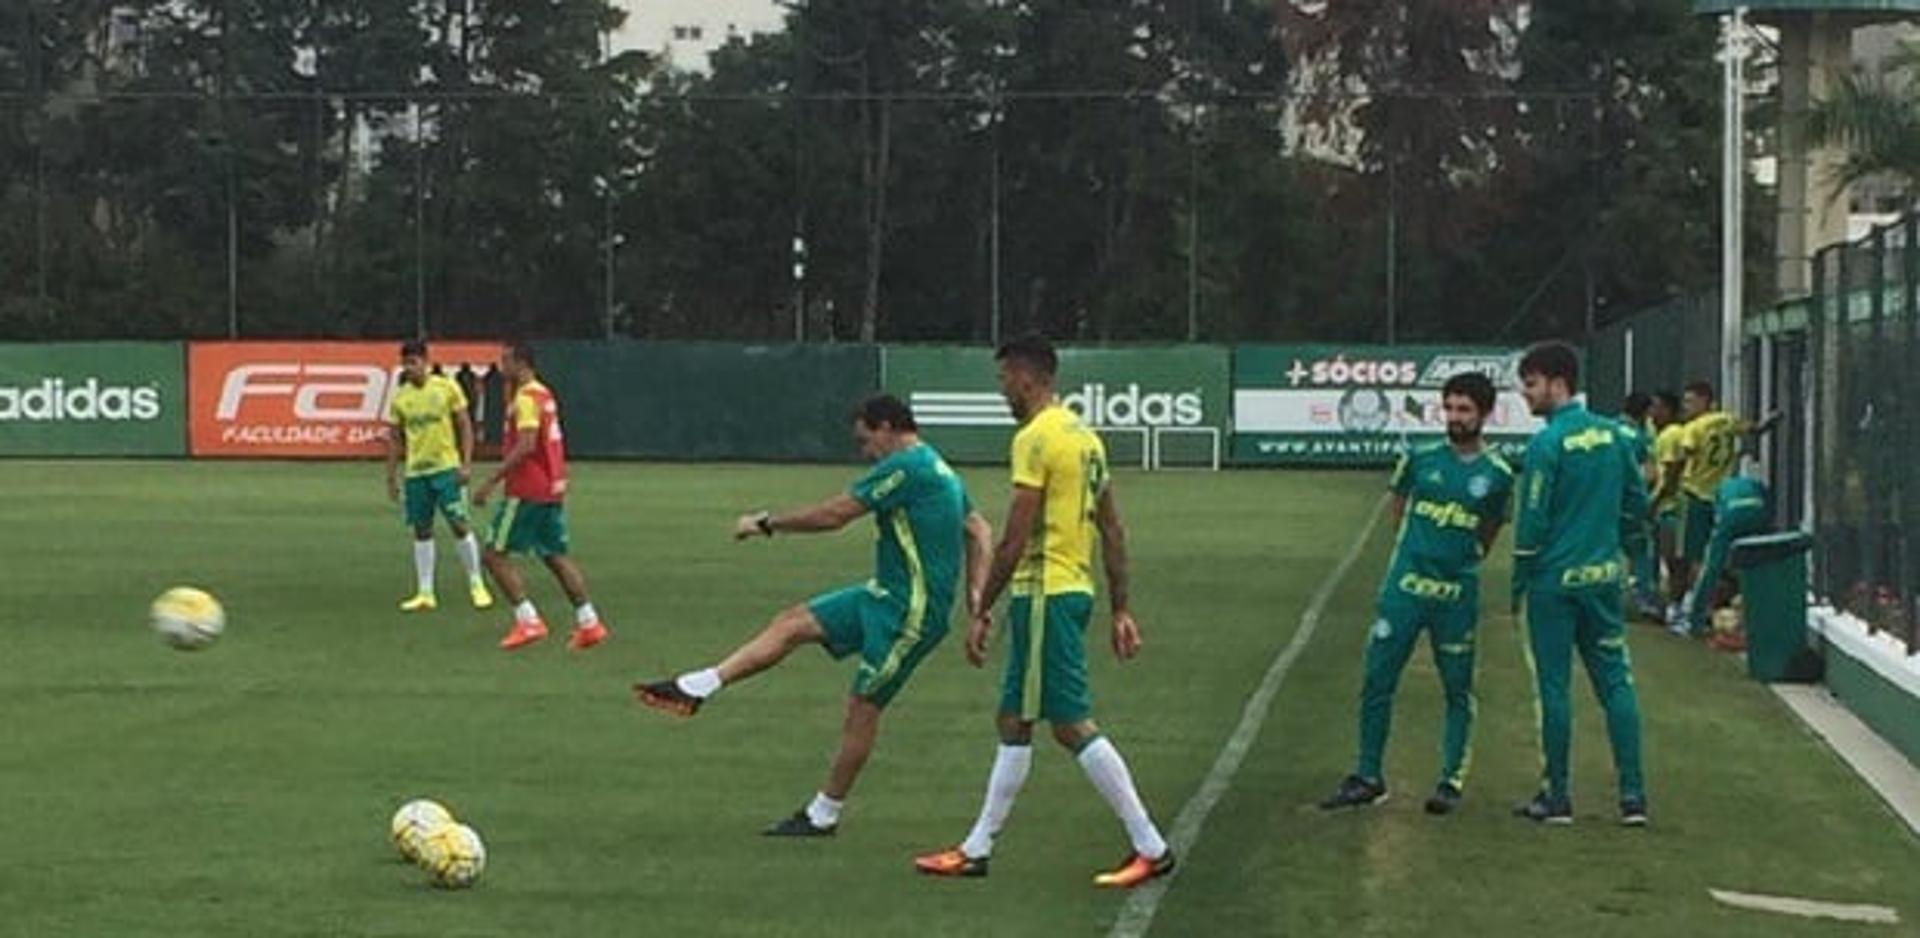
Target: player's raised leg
[793,627]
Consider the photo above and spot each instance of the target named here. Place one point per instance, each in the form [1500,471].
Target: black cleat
[1544,809]
[666,695]
[1633,811]
[1445,799]
[798,825]
[1355,792]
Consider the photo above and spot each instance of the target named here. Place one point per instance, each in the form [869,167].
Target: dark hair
[1668,398]
[1637,405]
[1472,385]
[1031,351]
[521,352]
[886,409]
[413,348]
[1701,388]
[1552,360]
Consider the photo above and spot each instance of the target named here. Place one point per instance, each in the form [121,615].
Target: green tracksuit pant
[1450,629]
[1589,619]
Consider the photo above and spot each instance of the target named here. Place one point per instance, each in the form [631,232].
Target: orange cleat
[951,862]
[1136,870]
[523,634]
[588,635]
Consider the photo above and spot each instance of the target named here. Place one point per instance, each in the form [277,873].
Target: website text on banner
[93,399]
[1359,405]
[317,400]
[1164,401]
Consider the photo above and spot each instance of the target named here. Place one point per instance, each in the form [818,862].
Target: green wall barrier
[1171,401]
[1359,405]
[694,400]
[93,399]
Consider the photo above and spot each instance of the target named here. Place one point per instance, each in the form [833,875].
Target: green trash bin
[1773,585]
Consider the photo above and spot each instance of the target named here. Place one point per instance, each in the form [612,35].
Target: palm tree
[1876,118]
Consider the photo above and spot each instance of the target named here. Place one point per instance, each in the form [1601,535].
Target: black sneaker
[1633,811]
[666,695]
[798,825]
[1546,810]
[1355,792]
[1445,800]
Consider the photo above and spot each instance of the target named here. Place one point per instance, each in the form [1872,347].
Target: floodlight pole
[1732,180]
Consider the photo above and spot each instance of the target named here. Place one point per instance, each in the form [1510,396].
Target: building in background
[686,32]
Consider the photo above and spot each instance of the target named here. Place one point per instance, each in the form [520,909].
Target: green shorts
[1696,528]
[439,491]
[523,527]
[1047,659]
[865,619]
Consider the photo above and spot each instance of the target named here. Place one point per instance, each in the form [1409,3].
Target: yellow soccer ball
[187,619]
[414,823]
[454,856]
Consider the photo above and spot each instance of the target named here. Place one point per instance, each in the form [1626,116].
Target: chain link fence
[1843,368]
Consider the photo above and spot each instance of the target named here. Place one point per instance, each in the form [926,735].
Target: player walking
[533,519]
[1062,496]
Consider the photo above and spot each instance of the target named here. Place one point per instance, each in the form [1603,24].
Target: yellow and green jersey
[1712,447]
[1058,455]
[1449,499]
[424,415]
[920,509]
[1669,447]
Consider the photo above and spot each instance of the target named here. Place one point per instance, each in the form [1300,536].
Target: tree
[1876,117]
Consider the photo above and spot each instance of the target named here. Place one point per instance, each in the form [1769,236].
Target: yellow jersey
[1712,446]
[1058,455]
[1669,446]
[424,416]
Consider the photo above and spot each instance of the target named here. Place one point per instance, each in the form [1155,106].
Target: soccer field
[245,790]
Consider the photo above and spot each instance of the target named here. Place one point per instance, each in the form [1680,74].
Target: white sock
[1010,764]
[583,614]
[469,550]
[1108,772]
[701,684]
[523,611]
[823,811]
[423,565]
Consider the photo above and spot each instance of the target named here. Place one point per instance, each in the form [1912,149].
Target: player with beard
[1449,499]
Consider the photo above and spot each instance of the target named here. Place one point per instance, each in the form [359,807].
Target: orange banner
[324,400]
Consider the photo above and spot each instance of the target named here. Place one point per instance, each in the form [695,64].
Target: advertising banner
[93,399]
[1361,405]
[1145,401]
[318,400]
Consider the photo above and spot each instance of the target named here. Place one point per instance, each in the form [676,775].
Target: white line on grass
[1809,908]
[1137,915]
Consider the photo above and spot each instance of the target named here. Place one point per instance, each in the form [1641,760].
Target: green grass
[245,790]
